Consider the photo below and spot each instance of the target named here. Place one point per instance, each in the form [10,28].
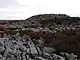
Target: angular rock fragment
[2,49]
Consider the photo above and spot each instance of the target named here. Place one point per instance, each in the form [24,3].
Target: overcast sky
[22,9]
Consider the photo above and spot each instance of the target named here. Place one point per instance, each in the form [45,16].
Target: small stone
[22,48]
[1,43]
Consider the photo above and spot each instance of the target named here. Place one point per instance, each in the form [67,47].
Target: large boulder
[2,49]
[49,49]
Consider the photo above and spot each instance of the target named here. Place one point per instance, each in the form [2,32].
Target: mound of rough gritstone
[46,31]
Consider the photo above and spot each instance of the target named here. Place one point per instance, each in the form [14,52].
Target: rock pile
[29,49]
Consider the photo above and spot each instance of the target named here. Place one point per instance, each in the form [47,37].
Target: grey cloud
[8,3]
[11,15]
[10,9]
